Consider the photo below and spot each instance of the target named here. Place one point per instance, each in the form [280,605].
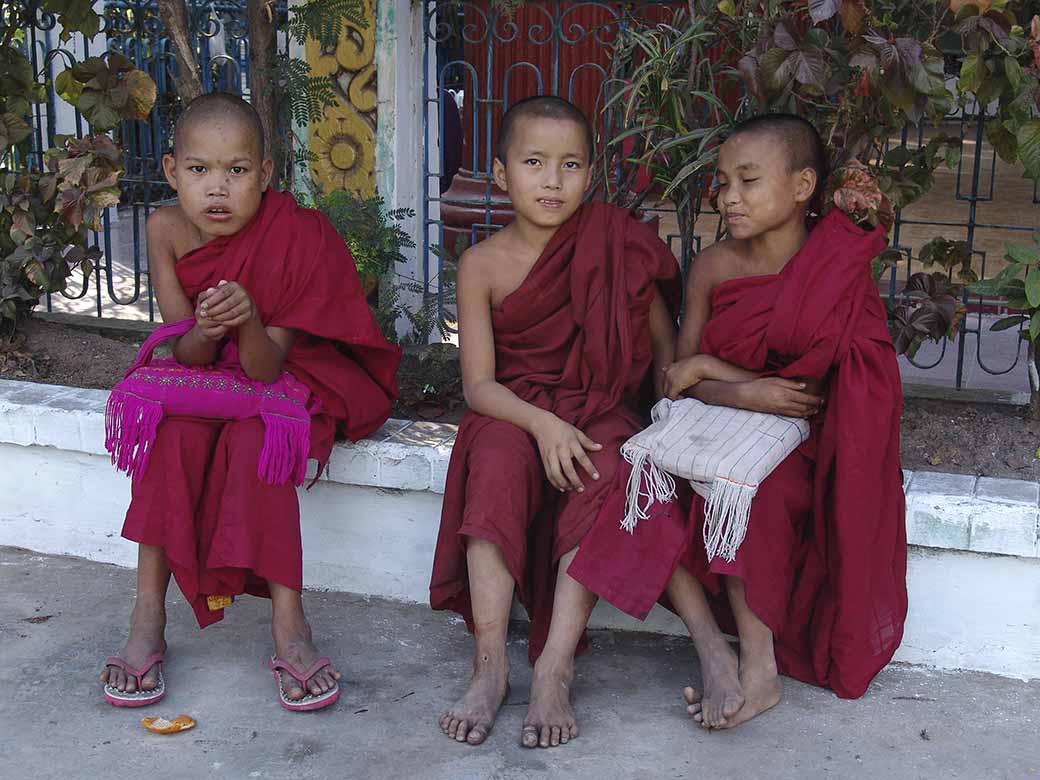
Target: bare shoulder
[170,233]
[715,264]
[481,259]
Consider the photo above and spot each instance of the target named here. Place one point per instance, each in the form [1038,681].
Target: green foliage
[323,20]
[860,72]
[1019,285]
[47,208]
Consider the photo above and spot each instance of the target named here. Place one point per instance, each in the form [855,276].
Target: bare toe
[692,697]
[529,737]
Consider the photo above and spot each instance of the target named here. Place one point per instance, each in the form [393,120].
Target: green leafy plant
[861,73]
[1019,285]
[51,199]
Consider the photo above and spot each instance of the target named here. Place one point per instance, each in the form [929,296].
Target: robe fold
[573,339]
[824,558]
[223,530]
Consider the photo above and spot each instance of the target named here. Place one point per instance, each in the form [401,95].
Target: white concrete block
[404,467]
[937,521]
[959,485]
[16,424]
[1008,529]
[1008,491]
[441,458]
[354,464]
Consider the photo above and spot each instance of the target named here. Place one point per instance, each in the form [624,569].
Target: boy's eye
[572,165]
[532,161]
[748,181]
[197,169]
[237,169]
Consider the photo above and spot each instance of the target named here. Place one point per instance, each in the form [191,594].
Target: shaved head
[540,107]
[214,107]
[801,142]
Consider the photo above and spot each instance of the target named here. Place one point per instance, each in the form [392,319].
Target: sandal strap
[277,664]
[149,662]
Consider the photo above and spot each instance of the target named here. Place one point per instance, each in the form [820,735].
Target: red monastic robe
[573,339]
[224,531]
[824,559]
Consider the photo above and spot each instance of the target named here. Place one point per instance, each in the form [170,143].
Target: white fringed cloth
[725,454]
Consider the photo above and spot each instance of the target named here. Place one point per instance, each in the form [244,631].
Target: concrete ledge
[371,523]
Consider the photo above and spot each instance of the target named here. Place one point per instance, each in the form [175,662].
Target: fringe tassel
[284,456]
[726,514]
[659,487]
[131,424]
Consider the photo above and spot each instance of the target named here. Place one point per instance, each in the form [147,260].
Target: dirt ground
[950,436]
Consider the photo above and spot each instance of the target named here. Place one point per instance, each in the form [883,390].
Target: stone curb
[945,511]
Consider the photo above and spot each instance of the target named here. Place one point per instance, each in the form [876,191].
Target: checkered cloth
[725,454]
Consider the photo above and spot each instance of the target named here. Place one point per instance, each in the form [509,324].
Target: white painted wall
[967,610]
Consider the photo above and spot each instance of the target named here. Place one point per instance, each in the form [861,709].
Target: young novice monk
[561,315]
[249,265]
[789,322]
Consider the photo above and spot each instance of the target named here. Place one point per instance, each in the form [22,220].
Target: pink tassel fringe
[284,456]
[131,423]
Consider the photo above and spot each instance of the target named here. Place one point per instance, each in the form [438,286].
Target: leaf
[1033,287]
[1013,71]
[853,14]
[1034,327]
[971,74]
[822,10]
[1029,148]
[1009,322]
[909,51]
[783,38]
[67,87]
[36,274]
[8,310]
[1020,254]
[1002,140]
[727,8]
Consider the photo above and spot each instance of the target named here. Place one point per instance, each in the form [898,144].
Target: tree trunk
[262,72]
[174,15]
[1034,378]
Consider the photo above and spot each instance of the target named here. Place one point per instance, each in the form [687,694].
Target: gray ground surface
[59,618]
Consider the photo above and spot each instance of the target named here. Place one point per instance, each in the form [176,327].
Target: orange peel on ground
[163,726]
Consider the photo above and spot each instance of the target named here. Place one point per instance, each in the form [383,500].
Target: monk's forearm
[194,348]
[714,368]
[492,399]
[721,393]
[261,357]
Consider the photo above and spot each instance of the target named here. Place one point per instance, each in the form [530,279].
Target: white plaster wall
[967,610]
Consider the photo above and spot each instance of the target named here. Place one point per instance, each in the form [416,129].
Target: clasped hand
[223,308]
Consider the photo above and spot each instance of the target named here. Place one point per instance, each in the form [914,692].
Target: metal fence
[120,285]
[478,60]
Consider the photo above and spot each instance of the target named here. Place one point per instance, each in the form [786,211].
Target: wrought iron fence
[478,60]
[120,285]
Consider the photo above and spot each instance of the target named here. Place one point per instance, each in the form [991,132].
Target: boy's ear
[498,171]
[266,171]
[805,185]
[169,164]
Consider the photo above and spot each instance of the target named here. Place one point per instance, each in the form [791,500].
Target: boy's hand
[227,304]
[210,329]
[681,375]
[560,444]
[774,395]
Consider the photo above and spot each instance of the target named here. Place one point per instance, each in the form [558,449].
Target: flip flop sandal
[310,701]
[138,698]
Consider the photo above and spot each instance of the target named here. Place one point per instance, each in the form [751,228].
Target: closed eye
[749,181]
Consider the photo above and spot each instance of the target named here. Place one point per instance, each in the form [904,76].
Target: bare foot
[550,719]
[722,697]
[761,686]
[293,644]
[147,637]
[470,719]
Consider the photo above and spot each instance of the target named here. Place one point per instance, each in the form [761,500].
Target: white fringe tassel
[659,486]
[726,514]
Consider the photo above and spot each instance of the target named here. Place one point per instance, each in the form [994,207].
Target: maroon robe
[824,558]
[574,339]
[223,530]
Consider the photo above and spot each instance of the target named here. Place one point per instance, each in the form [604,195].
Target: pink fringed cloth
[154,389]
